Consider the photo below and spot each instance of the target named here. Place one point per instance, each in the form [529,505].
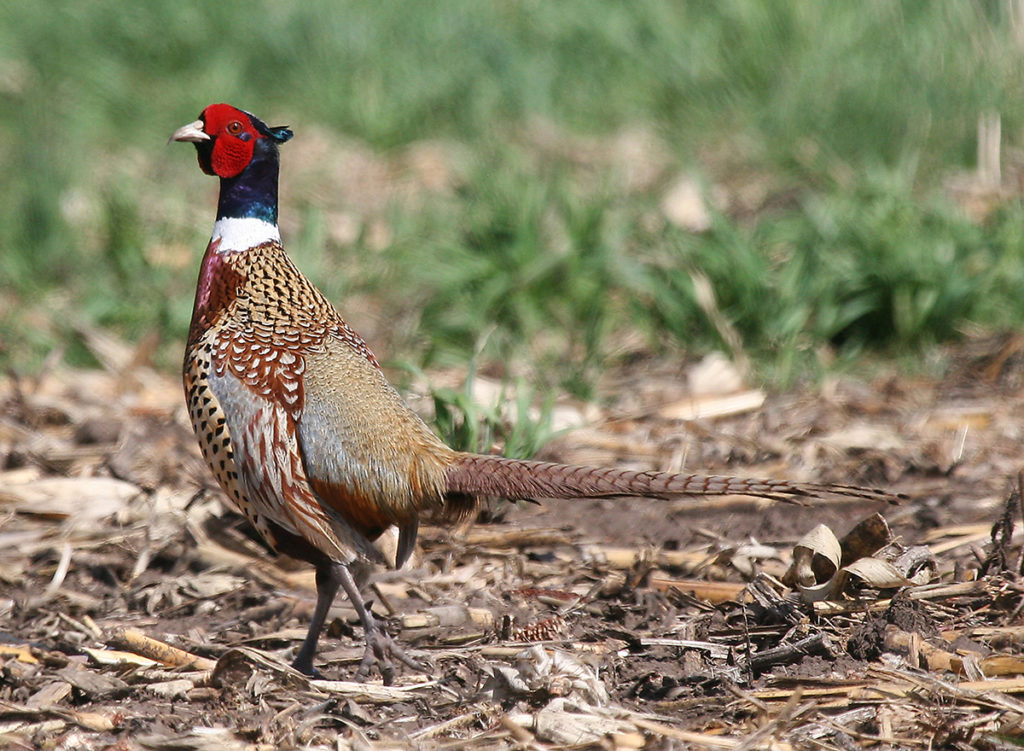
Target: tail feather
[474,474]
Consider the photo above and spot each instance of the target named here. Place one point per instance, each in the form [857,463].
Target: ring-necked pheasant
[301,428]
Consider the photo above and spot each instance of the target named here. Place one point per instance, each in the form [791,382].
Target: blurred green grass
[828,131]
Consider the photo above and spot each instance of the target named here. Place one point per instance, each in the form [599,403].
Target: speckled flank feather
[210,424]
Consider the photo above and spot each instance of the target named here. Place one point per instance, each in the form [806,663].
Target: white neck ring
[237,234]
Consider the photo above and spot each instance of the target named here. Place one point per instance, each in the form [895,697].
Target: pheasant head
[241,150]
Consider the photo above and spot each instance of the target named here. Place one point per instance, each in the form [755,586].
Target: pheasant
[304,433]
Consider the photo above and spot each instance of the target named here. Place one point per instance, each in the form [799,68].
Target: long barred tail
[474,474]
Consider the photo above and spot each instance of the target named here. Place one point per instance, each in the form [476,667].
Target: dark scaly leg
[327,583]
[380,647]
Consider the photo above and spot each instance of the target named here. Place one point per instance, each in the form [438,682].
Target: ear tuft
[281,133]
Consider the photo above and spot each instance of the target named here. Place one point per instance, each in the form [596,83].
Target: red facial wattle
[234,139]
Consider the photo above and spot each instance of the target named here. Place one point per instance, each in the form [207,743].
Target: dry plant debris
[137,612]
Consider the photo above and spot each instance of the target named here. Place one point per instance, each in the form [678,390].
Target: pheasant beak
[192,132]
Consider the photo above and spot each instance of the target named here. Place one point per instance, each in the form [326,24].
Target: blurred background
[549,188]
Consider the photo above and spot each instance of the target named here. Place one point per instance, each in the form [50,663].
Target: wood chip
[90,682]
[171,689]
[52,693]
[135,641]
[20,652]
[704,590]
[98,722]
[118,657]
[369,692]
[713,405]
[83,499]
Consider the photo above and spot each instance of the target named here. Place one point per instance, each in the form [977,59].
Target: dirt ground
[605,624]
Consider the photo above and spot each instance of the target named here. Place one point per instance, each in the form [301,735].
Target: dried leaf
[815,559]
[210,584]
[571,723]
[868,537]
[876,573]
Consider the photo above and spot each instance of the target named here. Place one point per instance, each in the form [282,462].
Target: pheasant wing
[377,469]
[272,476]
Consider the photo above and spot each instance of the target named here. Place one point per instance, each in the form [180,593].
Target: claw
[381,650]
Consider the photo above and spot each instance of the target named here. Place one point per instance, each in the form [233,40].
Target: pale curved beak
[192,132]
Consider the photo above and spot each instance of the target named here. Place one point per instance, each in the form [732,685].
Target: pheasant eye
[234,127]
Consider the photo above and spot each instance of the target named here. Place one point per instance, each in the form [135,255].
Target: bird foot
[382,651]
[304,664]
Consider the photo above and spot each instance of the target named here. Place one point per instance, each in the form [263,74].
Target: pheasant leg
[327,583]
[380,647]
